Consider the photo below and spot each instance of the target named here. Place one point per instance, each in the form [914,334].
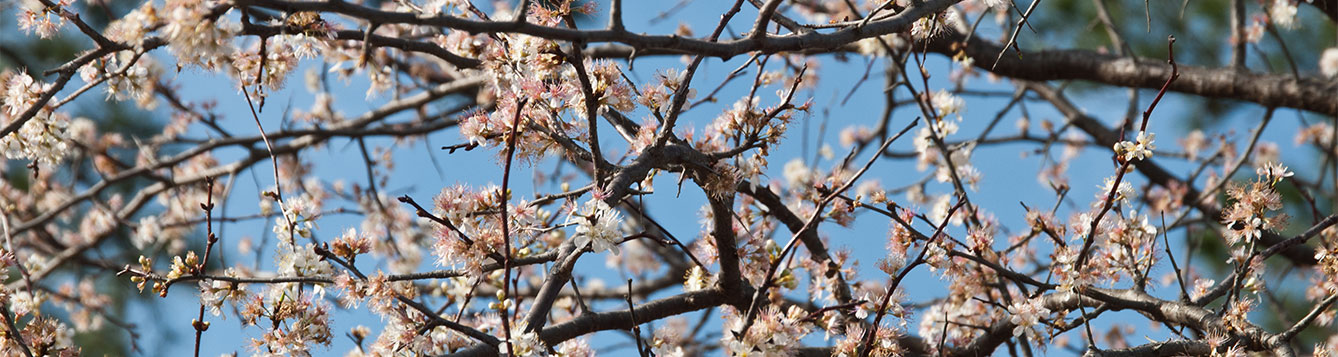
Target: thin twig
[208,207]
[506,230]
[274,161]
[811,223]
[1012,39]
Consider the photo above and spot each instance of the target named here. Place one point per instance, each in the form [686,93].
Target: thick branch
[1276,90]
[723,49]
[1171,312]
[615,320]
[722,217]
[1306,93]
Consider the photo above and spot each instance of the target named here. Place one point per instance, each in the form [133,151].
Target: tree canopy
[760,177]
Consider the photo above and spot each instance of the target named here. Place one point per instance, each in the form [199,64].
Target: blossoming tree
[1195,235]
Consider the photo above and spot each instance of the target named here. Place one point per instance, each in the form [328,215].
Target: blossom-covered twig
[505,195]
[531,61]
[14,331]
[866,344]
[812,221]
[199,324]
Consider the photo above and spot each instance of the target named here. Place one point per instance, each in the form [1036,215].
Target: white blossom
[1026,315]
[597,224]
[1273,172]
[303,261]
[947,103]
[1123,193]
[148,231]
[577,347]
[194,38]
[939,212]
[1283,14]
[521,343]
[44,137]
[797,174]
[697,279]
[1328,62]
[23,302]
[214,292]
[1140,149]
[21,92]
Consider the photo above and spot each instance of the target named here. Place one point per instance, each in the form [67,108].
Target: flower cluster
[493,128]
[773,333]
[213,293]
[659,95]
[198,36]
[43,333]
[1273,173]
[43,20]
[669,340]
[534,89]
[886,342]
[476,231]
[798,175]
[1283,13]
[306,323]
[1328,62]
[1026,316]
[301,261]
[402,335]
[747,123]
[934,25]
[606,82]
[698,279]
[183,266]
[279,59]
[522,343]
[956,167]
[955,316]
[1122,194]
[597,225]
[299,215]
[1141,148]
[1247,217]
[377,290]
[134,25]
[1063,266]
[128,77]
[44,137]
[946,103]
[1236,315]
[1129,245]
[1326,256]
[350,244]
